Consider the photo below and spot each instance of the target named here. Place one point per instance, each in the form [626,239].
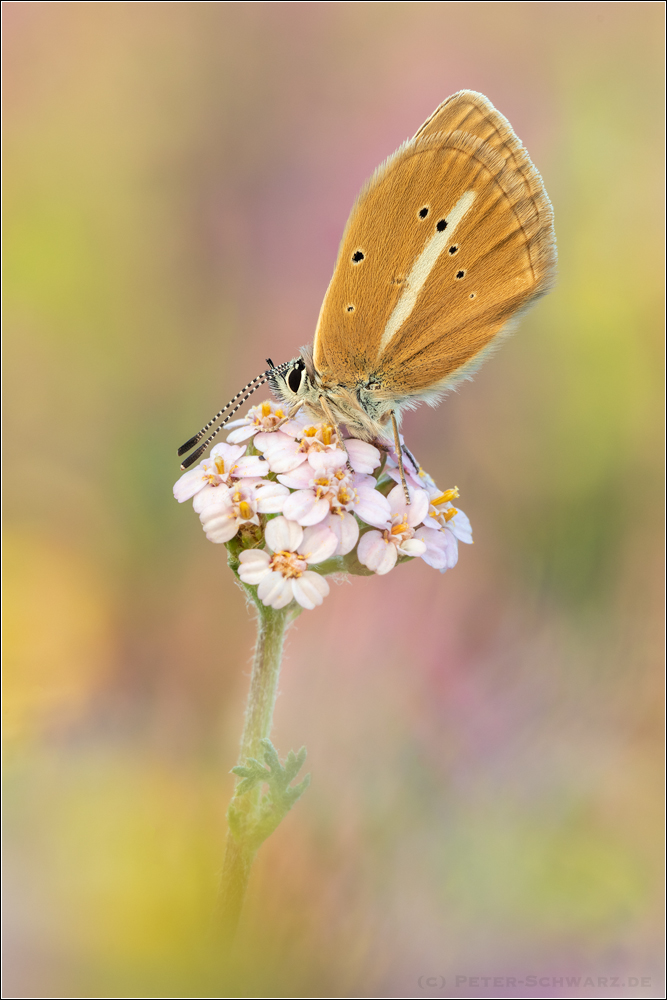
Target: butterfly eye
[356,257]
[295,376]
[472,295]
[460,274]
[423,213]
[442,225]
[453,249]
[350,309]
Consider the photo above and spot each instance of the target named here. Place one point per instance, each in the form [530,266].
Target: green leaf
[254,824]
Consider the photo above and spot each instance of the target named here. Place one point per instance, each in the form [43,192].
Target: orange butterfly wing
[450,238]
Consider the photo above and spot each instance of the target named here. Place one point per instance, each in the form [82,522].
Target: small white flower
[346,529]
[323,491]
[224,466]
[264,418]
[317,444]
[380,550]
[444,527]
[291,447]
[285,576]
[225,511]
[442,551]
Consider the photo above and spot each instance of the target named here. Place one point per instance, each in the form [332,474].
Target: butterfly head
[295,381]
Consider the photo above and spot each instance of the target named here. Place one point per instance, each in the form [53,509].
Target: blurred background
[485,745]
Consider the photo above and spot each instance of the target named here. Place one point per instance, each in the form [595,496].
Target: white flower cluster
[311,500]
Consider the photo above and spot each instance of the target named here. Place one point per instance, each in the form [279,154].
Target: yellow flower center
[402,526]
[446,497]
[289,564]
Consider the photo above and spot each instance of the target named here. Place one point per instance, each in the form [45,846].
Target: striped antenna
[241,396]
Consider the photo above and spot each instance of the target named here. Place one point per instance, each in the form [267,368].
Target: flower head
[442,514]
[283,575]
[222,516]
[265,418]
[379,550]
[291,446]
[444,527]
[327,495]
[317,444]
[222,468]
[325,490]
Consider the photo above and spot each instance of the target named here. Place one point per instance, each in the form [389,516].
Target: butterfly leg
[336,427]
[399,456]
[291,413]
[412,458]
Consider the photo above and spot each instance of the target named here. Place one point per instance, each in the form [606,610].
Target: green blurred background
[485,745]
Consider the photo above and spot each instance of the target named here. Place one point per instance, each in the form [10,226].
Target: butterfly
[448,242]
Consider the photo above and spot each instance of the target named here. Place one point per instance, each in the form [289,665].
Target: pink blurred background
[484,745]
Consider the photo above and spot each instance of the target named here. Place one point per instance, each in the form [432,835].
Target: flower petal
[460,527]
[376,553]
[275,591]
[251,465]
[412,547]
[412,479]
[346,530]
[189,484]
[229,453]
[441,548]
[281,451]
[319,543]
[304,507]
[254,565]
[210,494]
[364,457]
[219,522]
[372,507]
[242,433]
[335,458]
[298,479]
[310,589]
[270,497]
[283,535]
[418,508]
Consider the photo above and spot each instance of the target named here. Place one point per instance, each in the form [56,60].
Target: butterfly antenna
[239,399]
[193,440]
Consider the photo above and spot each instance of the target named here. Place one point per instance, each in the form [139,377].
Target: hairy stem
[240,850]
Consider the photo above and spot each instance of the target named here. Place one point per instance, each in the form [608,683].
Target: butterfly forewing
[449,239]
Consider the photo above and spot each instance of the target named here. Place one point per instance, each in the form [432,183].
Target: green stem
[239,851]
